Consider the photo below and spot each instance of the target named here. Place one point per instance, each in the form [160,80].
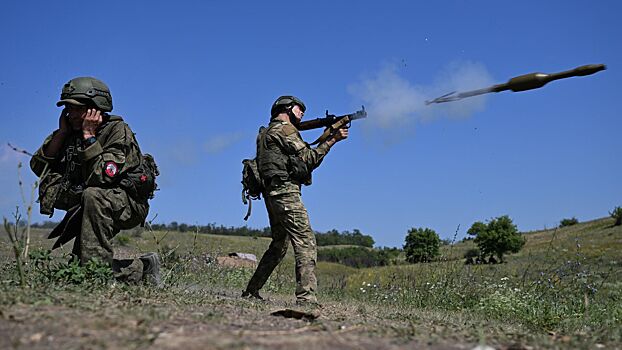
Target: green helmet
[283,102]
[83,91]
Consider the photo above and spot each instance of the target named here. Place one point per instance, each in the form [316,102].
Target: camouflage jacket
[101,164]
[280,141]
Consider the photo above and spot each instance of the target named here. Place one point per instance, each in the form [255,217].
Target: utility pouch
[298,170]
[68,196]
[140,183]
[48,191]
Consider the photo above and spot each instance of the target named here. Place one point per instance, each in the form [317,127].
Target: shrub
[497,237]
[123,239]
[356,256]
[355,237]
[616,213]
[94,272]
[472,253]
[422,245]
[568,222]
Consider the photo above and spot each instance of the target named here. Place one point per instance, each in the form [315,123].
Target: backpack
[140,182]
[252,185]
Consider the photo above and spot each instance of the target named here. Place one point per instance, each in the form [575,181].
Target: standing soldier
[285,162]
[92,167]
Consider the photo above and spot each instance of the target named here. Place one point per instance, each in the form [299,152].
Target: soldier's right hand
[63,122]
[341,134]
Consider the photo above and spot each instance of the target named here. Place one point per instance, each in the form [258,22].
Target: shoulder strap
[263,131]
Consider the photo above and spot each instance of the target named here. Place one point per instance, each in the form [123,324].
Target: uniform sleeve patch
[111,169]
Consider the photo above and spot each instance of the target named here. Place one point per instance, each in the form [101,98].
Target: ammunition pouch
[48,191]
[298,170]
[69,196]
[55,192]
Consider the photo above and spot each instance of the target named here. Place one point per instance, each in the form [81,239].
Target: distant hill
[592,239]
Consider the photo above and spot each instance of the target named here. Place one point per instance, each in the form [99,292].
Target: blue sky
[195,80]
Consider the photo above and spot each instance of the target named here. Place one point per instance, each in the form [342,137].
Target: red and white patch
[111,169]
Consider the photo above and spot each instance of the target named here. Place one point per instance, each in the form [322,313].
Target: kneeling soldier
[285,162]
[85,168]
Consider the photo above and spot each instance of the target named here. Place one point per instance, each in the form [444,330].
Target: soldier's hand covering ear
[63,122]
[91,122]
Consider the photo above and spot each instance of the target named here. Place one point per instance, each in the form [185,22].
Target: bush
[94,272]
[472,253]
[333,237]
[356,256]
[123,239]
[422,245]
[497,237]
[568,222]
[616,213]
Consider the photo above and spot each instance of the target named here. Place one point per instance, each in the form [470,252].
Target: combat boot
[151,269]
[128,270]
[251,295]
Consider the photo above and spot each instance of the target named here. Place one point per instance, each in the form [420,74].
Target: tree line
[359,257]
[332,237]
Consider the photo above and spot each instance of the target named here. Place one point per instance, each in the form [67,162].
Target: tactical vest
[271,161]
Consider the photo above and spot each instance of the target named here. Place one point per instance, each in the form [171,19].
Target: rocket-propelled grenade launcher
[331,119]
[522,83]
[332,123]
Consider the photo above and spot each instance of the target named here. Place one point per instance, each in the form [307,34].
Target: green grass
[563,289]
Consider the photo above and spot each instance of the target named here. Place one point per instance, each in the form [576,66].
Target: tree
[422,244]
[616,213]
[173,226]
[498,237]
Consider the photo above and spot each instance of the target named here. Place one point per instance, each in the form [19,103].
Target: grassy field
[563,290]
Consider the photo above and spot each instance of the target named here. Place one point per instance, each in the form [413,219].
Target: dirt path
[224,322]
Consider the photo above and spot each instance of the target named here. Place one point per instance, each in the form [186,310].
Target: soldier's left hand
[92,120]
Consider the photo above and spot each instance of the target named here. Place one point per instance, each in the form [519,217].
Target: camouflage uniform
[88,176]
[287,214]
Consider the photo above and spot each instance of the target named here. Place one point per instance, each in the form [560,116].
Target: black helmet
[283,102]
[86,90]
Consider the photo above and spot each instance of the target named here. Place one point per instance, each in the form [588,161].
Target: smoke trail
[393,103]
[219,143]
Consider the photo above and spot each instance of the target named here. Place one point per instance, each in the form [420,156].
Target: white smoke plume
[218,143]
[393,103]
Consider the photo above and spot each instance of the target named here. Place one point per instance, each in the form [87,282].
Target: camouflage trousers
[289,221]
[106,211]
